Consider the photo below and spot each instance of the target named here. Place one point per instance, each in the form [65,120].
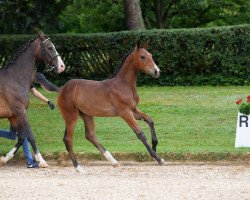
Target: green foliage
[193,13]
[108,15]
[22,16]
[208,56]
[88,16]
[93,16]
[244,108]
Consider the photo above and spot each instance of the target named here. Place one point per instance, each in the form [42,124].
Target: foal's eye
[142,57]
[50,48]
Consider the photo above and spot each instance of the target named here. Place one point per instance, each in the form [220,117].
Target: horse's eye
[50,48]
[142,57]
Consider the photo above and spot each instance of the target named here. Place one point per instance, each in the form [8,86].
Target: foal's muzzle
[155,73]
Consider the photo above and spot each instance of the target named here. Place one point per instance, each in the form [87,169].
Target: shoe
[33,164]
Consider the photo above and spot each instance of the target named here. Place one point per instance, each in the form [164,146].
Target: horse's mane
[116,70]
[40,78]
[18,53]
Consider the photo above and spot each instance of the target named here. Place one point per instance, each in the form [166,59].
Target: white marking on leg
[80,170]
[42,162]
[8,155]
[162,162]
[110,158]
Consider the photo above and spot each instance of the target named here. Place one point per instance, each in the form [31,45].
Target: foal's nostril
[156,72]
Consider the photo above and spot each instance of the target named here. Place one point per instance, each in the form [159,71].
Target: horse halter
[45,54]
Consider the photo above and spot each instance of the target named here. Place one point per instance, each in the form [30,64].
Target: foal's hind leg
[142,116]
[131,121]
[91,136]
[68,140]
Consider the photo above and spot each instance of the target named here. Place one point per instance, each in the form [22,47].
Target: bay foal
[108,98]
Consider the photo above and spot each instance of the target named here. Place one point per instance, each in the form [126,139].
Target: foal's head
[144,61]
[48,54]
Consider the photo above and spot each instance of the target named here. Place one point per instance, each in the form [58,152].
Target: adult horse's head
[144,61]
[48,54]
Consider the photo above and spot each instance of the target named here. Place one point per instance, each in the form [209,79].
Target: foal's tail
[47,85]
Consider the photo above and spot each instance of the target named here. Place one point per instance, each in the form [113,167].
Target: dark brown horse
[109,98]
[15,82]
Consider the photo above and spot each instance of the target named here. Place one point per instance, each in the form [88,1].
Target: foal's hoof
[80,170]
[162,162]
[116,165]
[2,161]
[43,164]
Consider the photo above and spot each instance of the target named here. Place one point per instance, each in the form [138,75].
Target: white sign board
[243,131]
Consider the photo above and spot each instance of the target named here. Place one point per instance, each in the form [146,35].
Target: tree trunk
[133,15]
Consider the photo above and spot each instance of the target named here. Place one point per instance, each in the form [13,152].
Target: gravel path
[129,181]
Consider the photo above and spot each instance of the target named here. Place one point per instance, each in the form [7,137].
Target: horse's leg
[12,152]
[91,136]
[24,129]
[142,116]
[32,141]
[131,121]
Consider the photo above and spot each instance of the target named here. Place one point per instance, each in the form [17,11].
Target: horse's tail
[40,78]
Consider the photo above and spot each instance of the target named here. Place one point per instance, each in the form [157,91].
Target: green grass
[187,120]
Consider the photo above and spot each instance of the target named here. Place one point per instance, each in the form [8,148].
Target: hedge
[202,56]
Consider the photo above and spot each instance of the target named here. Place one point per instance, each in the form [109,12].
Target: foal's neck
[128,73]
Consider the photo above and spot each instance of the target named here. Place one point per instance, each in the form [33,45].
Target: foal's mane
[18,53]
[116,70]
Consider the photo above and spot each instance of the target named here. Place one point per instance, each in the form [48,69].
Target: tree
[22,16]
[133,15]
[88,16]
[109,15]
[193,13]
[91,16]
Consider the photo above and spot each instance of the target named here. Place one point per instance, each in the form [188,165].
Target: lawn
[187,120]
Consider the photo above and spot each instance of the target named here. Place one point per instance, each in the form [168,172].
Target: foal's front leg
[142,116]
[131,121]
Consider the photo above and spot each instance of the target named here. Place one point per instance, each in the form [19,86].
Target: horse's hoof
[162,162]
[2,161]
[116,165]
[80,170]
[43,165]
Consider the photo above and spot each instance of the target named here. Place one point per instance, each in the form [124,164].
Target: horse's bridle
[45,54]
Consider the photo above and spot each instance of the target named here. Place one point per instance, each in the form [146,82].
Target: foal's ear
[138,46]
[145,45]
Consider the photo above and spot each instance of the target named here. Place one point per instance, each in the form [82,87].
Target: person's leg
[9,134]
[26,151]
[12,135]
[31,163]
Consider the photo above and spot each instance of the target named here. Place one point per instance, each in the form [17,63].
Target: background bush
[204,56]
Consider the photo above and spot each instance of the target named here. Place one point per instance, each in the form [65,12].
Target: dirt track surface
[129,181]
